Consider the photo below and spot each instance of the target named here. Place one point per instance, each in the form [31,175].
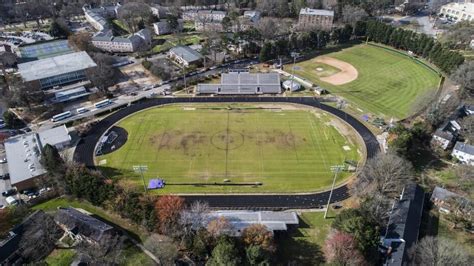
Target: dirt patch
[347,74]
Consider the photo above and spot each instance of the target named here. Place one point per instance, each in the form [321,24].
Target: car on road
[5,176]
[9,192]
[2,207]
[3,160]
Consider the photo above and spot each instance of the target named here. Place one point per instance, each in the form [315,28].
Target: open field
[388,83]
[286,148]
[169,41]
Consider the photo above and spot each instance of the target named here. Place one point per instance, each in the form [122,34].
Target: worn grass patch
[192,147]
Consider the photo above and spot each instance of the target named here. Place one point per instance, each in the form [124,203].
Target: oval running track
[84,153]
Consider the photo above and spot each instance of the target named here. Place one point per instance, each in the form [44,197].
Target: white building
[464,153]
[97,17]
[291,85]
[106,41]
[207,15]
[442,138]
[315,18]
[163,27]
[23,154]
[458,11]
[252,15]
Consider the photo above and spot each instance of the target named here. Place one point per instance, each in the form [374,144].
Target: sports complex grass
[388,83]
[192,146]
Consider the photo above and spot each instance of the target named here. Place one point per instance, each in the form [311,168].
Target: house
[58,70]
[252,15]
[185,56]
[315,18]
[233,83]
[23,153]
[443,139]
[291,85]
[464,153]
[468,109]
[30,241]
[82,226]
[404,224]
[163,27]
[239,220]
[442,199]
[458,11]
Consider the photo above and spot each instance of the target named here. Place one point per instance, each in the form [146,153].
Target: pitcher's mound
[347,74]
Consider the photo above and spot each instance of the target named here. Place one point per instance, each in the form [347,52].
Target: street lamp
[336,169]
[141,169]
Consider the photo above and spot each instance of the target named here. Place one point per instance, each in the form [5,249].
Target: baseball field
[222,148]
[376,80]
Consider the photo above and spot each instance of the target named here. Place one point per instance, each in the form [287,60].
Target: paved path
[85,153]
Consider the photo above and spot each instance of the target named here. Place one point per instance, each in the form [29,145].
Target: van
[11,201]
[81,110]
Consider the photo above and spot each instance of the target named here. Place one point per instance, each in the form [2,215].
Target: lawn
[61,257]
[304,246]
[388,83]
[194,146]
[174,40]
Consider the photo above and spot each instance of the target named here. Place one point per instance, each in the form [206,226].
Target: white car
[11,200]
[3,160]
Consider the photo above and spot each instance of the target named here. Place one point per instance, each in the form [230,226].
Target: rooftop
[24,152]
[316,12]
[463,147]
[55,66]
[467,7]
[444,134]
[188,54]
[245,78]
[440,193]
[84,224]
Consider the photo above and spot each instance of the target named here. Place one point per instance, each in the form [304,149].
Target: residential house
[163,27]
[464,153]
[315,18]
[443,139]
[458,11]
[252,15]
[404,225]
[185,56]
[106,41]
[443,199]
[82,226]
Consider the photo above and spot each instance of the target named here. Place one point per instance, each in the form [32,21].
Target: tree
[258,234]
[266,53]
[52,161]
[459,35]
[173,22]
[11,120]
[256,255]
[107,251]
[464,76]
[439,111]
[81,41]
[353,14]
[168,209]
[439,251]
[192,220]
[341,249]
[58,29]
[467,127]
[133,14]
[226,23]
[218,227]
[103,75]
[224,253]
[163,248]
[362,227]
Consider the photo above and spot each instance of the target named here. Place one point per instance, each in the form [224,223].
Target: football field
[387,84]
[223,148]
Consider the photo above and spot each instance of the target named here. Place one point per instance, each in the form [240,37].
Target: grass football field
[387,85]
[285,148]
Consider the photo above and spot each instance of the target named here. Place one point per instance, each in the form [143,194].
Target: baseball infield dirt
[347,74]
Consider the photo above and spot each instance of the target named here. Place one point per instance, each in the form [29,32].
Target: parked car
[9,192]
[3,160]
[11,201]
[5,176]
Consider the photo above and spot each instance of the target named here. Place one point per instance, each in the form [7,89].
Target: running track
[85,151]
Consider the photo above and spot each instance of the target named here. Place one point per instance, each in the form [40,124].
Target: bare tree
[467,125]
[163,248]
[439,111]
[434,251]
[134,13]
[385,174]
[107,251]
[192,220]
[352,14]
[464,76]
[103,75]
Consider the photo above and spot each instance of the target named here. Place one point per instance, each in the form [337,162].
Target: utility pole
[336,169]
[141,169]
[294,55]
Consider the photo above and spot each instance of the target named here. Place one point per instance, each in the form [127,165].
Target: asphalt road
[84,153]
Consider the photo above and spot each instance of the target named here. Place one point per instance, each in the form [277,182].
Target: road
[124,100]
[84,153]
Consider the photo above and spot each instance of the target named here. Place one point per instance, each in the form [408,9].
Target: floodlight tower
[336,169]
[294,55]
[141,169]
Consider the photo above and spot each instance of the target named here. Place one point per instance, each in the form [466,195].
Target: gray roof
[292,85]
[318,12]
[444,134]
[463,147]
[24,152]
[188,54]
[55,66]
[442,194]
[404,224]
[274,221]
[82,224]
[244,83]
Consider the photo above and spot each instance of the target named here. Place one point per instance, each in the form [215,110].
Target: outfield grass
[309,68]
[286,150]
[388,83]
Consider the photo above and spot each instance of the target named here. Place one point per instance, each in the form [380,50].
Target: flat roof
[316,12]
[55,66]
[185,52]
[24,152]
[45,49]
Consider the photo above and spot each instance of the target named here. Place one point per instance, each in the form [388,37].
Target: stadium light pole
[141,169]
[294,55]
[336,169]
